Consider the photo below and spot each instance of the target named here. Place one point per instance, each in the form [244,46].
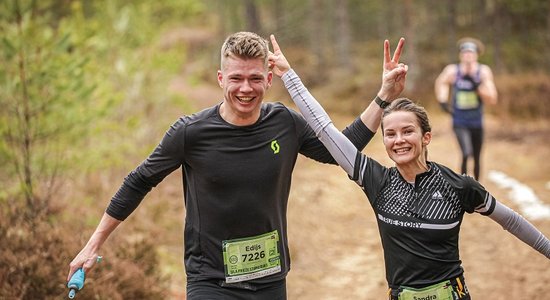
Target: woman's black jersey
[419,222]
[236,180]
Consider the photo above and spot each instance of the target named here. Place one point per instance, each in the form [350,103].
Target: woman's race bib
[439,291]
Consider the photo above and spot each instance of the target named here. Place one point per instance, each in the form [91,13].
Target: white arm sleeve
[343,151]
[521,228]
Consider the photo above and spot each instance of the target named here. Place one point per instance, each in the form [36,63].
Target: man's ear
[269,79]
[220,78]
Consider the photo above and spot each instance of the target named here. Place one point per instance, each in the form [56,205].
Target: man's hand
[277,61]
[394,73]
[84,260]
[88,256]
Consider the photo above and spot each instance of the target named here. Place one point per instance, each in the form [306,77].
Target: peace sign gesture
[277,61]
[394,73]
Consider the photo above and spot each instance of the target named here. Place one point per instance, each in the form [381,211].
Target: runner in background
[469,85]
[419,204]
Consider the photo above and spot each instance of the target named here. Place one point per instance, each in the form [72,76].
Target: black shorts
[218,289]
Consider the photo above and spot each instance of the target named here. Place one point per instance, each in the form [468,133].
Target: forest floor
[334,242]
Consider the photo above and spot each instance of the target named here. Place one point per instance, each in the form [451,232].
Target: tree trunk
[317,36]
[24,129]
[412,57]
[497,38]
[343,36]
[451,31]
[278,16]
[251,16]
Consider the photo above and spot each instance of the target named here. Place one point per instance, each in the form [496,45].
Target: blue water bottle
[76,283]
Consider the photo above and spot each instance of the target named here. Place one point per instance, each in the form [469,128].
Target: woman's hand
[394,73]
[277,61]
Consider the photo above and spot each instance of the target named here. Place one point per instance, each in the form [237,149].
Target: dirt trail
[335,246]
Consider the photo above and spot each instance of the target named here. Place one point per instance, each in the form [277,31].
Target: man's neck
[237,119]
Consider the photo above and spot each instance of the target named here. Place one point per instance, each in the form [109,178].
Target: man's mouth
[245,99]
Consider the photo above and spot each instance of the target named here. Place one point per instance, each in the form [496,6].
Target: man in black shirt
[237,159]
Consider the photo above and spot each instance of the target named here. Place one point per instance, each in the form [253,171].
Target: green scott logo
[275,147]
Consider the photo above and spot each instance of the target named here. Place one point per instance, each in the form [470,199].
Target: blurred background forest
[87,89]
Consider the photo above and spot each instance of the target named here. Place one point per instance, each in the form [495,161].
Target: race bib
[440,291]
[252,257]
[466,100]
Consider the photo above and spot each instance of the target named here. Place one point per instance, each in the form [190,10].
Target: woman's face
[403,138]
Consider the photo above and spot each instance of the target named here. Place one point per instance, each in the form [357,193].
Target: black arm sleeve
[167,157]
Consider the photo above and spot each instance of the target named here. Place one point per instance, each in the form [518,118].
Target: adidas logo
[437,195]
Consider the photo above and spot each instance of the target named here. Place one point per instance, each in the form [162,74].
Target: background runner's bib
[466,100]
[252,257]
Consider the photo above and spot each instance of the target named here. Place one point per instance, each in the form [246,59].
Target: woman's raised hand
[277,61]
[394,73]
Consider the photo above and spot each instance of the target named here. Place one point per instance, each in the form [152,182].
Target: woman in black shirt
[419,204]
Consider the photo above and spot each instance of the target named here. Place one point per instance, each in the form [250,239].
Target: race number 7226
[253,256]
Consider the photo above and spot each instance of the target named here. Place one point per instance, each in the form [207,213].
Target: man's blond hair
[245,45]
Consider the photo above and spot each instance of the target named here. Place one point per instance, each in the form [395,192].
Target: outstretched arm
[521,228]
[393,79]
[88,255]
[339,146]
[343,151]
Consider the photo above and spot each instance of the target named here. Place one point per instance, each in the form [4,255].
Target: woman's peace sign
[394,73]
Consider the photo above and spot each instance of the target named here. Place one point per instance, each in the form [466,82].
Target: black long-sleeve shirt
[236,180]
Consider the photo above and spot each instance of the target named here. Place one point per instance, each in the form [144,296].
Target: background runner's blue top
[236,180]
[467,105]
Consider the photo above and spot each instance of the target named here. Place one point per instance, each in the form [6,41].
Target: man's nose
[246,87]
